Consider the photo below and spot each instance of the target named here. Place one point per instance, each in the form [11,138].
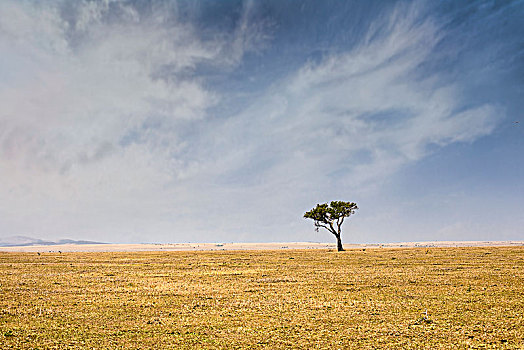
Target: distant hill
[29,241]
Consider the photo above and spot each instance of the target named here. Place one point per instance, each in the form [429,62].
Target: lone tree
[331,217]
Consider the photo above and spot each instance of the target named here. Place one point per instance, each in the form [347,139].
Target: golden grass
[313,299]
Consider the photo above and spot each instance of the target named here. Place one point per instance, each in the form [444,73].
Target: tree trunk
[339,244]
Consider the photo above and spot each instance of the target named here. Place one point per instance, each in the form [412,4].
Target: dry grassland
[375,298]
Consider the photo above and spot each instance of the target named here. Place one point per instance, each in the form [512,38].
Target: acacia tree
[331,217]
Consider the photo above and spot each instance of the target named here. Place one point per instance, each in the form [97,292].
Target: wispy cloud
[355,117]
[105,123]
[94,100]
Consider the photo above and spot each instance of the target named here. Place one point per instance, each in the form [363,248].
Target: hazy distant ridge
[29,241]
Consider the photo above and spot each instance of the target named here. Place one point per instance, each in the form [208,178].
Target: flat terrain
[307,299]
[246,246]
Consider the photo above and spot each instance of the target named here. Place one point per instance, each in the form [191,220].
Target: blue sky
[220,121]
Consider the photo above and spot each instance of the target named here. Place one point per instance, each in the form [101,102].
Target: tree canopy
[331,217]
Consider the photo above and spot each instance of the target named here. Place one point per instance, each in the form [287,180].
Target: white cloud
[360,114]
[104,125]
[90,109]
[341,127]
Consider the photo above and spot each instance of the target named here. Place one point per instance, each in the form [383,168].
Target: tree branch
[333,231]
[339,224]
[330,229]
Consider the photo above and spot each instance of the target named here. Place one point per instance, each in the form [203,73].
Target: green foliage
[331,217]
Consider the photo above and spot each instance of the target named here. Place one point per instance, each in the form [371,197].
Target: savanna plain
[411,298]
